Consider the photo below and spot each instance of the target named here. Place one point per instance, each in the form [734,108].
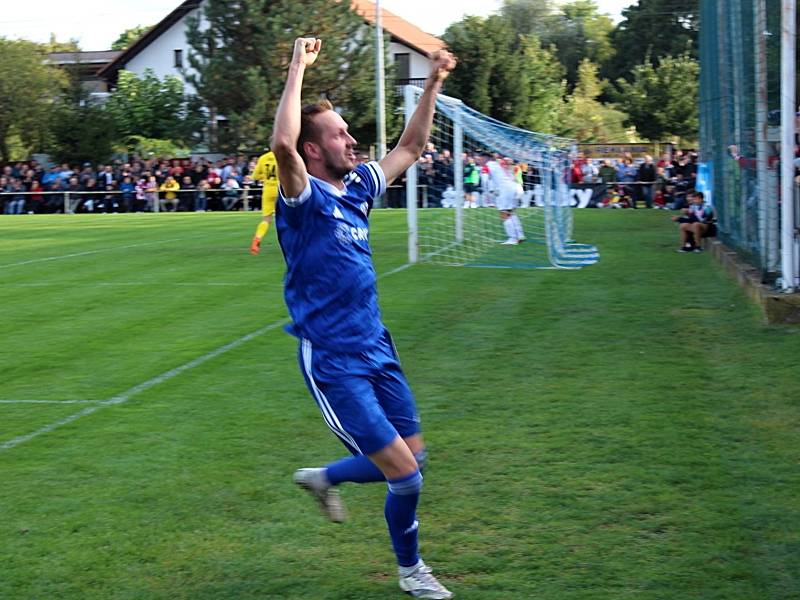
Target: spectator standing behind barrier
[607,173]
[646,175]
[36,199]
[200,196]
[186,194]
[589,171]
[151,193]
[128,190]
[626,174]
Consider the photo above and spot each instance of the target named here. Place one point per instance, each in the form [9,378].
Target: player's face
[337,146]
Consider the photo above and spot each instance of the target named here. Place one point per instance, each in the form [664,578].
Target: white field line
[158,379]
[87,253]
[49,401]
[37,284]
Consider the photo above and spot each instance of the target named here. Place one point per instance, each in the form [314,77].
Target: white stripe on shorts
[327,411]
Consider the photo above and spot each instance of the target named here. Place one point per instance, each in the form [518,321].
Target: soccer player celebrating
[347,357]
[266,171]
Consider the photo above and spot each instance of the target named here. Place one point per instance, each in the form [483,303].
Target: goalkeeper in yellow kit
[266,171]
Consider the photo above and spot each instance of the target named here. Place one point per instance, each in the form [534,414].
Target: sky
[97,23]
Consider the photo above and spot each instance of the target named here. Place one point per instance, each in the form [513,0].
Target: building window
[178,55]
[403,65]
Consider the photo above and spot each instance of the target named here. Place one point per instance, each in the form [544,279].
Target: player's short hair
[697,194]
[309,131]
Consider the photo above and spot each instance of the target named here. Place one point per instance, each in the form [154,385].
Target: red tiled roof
[400,29]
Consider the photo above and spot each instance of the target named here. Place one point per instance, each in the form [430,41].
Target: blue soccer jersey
[330,281]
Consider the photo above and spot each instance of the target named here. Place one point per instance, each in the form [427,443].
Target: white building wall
[418,65]
[160,54]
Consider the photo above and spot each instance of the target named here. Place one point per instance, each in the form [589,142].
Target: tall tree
[588,120]
[241,50]
[662,102]
[153,108]
[129,36]
[529,17]
[81,130]
[654,28]
[577,30]
[509,78]
[581,33]
[27,90]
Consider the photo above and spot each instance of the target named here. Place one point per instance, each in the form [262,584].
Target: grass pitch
[629,430]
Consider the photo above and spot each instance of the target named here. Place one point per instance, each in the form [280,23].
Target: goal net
[453,214]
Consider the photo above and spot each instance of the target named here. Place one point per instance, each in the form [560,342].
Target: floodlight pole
[380,71]
[788,111]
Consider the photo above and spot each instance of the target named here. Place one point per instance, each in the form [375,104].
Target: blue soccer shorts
[363,396]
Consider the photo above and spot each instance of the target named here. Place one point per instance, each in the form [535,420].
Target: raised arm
[415,135]
[286,131]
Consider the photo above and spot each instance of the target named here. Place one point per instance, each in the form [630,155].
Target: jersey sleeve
[373,177]
[296,209]
[258,172]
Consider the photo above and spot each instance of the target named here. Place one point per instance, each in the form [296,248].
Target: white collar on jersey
[329,186]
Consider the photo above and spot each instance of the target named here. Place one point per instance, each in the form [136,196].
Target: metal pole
[380,76]
[767,203]
[788,78]
[411,186]
[458,174]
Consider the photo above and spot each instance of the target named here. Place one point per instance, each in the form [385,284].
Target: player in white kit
[507,200]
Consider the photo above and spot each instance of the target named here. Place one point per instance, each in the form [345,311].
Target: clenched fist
[306,51]
[443,63]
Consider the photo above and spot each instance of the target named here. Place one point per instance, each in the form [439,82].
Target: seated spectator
[89,199]
[696,223]
[186,195]
[73,198]
[36,198]
[54,203]
[170,188]
[231,198]
[52,175]
[108,202]
[15,204]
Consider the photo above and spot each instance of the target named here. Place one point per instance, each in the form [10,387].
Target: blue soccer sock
[401,517]
[358,469]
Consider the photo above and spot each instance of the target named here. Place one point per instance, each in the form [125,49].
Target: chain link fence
[740,87]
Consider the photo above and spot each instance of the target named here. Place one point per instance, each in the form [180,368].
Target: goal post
[459,223]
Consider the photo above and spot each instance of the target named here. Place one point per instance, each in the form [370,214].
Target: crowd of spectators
[146,185]
[135,186]
[662,184]
[436,178]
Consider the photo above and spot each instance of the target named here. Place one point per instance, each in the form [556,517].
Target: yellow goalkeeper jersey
[267,170]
